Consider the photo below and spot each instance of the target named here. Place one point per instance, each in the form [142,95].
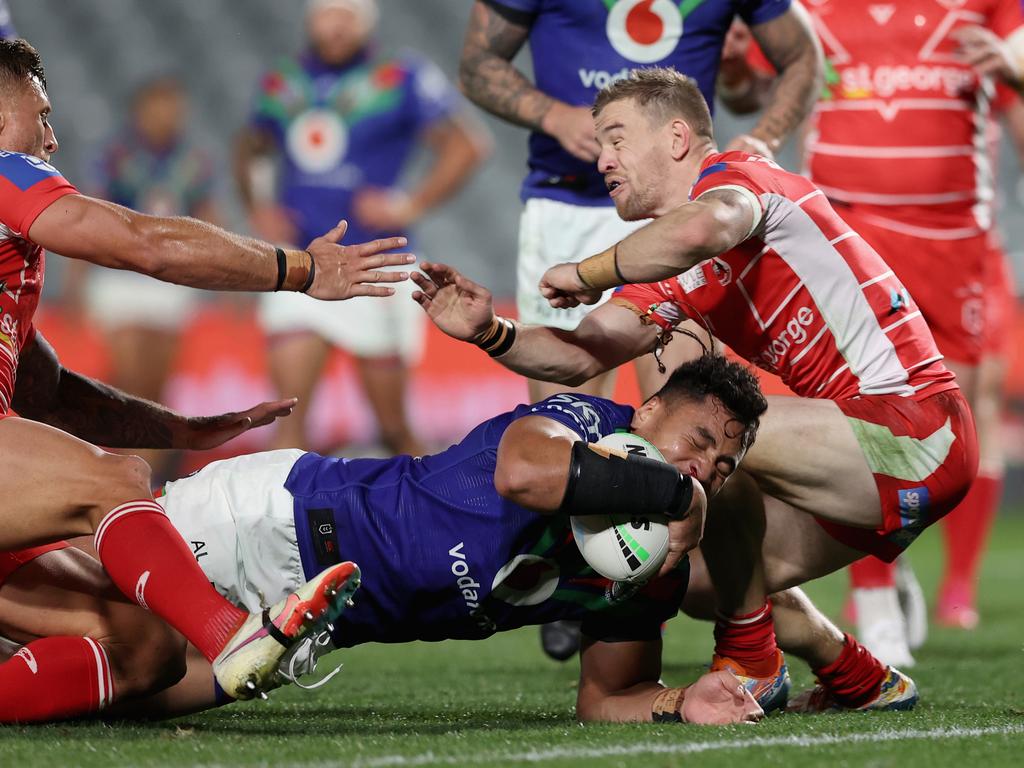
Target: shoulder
[25,171]
[590,417]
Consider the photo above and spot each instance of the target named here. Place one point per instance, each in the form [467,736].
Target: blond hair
[664,94]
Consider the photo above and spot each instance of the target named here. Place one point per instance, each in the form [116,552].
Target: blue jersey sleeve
[590,417]
[28,186]
[521,12]
[760,11]
[432,97]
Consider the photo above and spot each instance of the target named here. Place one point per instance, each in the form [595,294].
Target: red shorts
[1000,304]
[923,455]
[12,561]
[945,277]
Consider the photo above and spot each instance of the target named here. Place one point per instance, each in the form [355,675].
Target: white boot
[881,627]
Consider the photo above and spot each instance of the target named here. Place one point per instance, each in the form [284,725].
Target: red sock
[855,678]
[149,562]
[53,679]
[871,573]
[965,531]
[749,641]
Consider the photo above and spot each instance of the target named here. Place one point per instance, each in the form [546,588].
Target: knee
[146,656]
[121,478]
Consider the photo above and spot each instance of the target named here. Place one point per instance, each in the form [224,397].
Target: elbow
[514,478]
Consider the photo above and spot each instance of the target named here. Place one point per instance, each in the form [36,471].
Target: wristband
[601,482]
[600,272]
[282,268]
[312,274]
[668,706]
[499,338]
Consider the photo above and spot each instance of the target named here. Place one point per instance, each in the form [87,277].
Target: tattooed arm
[486,74]
[48,392]
[790,44]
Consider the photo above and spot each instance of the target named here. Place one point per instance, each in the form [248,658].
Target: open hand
[201,433]
[456,305]
[344,271]
[718,698]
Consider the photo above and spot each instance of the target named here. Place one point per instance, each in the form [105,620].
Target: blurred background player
[577,49]
[149,166]
[903,157]
[341,123]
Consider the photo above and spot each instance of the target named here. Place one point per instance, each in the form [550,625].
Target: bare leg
[142,359]
[296,361]
[66,594]
[385,381]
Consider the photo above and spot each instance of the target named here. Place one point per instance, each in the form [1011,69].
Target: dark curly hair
[20,62]
[732,384]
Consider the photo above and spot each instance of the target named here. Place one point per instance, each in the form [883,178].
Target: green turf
[501,702]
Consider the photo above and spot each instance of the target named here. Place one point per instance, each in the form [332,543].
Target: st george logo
[646,31]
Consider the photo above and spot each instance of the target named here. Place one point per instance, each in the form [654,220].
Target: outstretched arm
[607,337]
[716,222]
[489,79]
[191,252]
[619,682]
[48,392]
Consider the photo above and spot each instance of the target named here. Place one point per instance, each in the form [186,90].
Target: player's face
[702,439]
[634,156]
[26,122]
[337,33]
[160,116]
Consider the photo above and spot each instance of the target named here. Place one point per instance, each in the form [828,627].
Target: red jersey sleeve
[722,173]
[652,302]
[28,186]
[1007,17]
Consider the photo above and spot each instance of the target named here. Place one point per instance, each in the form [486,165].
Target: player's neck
[684,177]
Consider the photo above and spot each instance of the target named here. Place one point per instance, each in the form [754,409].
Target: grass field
[501,702]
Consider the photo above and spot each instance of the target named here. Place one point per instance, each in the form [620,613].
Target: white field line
[536,756]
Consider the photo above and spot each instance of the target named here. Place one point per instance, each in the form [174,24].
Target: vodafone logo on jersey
[317,141]
[644,31]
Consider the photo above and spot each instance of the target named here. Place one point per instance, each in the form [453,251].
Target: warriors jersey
[444,556]
[580,46]
[340,129]
[900,130]
[7,31]
[804,297]
[28,186]
[174,181]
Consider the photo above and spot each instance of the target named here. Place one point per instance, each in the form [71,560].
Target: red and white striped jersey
[28,186]
[901,128]
[804,297]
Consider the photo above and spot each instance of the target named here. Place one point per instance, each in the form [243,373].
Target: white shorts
[552,232]
[116,298]
[238,519]
[366,326]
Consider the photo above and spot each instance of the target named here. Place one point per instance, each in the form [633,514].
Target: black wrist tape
[282,268]
[601,483]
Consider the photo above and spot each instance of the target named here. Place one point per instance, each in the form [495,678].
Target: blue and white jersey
[581,46]
[443,556]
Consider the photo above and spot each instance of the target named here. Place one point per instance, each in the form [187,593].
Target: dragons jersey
[580,46]
[804,297]
[28,186]
[901,128]
[444,556]
[340,129]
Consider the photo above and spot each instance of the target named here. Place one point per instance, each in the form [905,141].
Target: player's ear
[645,412]
[680,139]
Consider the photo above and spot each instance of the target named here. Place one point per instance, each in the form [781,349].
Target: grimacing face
[700,438]
[633,159]
[26,121]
